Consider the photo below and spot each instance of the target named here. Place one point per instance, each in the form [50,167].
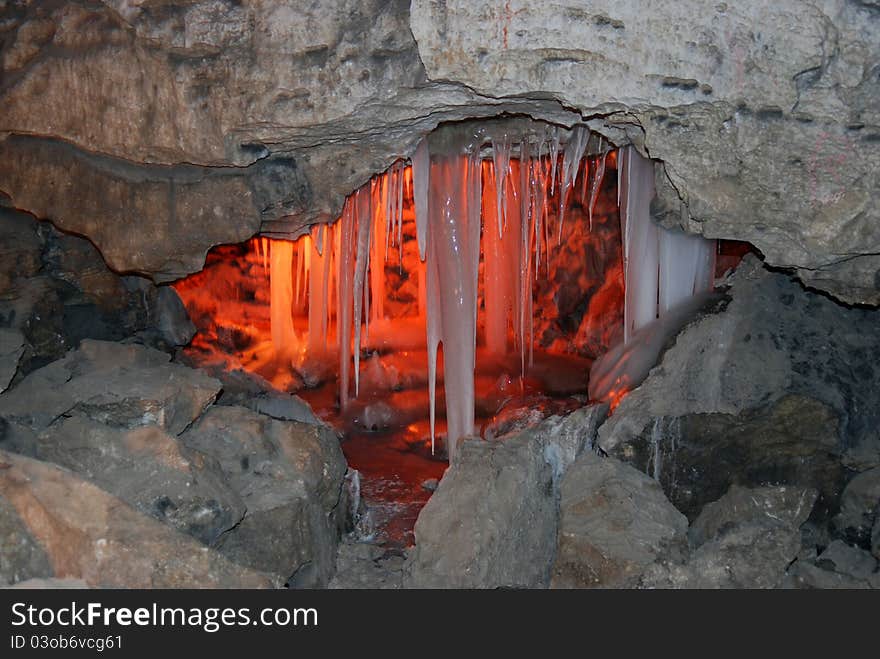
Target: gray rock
[849,560]
[789,506]
[148,469]
[119,385]
[290,476]
[21,556]
[362,566]
[614,523]
[875,536]
[50,584]
[746,539]
[492,521]
[11,350]
[89,535]
[808,575]
[858,507]
[766,383]
[750,555]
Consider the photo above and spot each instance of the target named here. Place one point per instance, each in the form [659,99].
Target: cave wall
[161,129]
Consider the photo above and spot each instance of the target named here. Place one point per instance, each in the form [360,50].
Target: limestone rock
[858,507]
[765,382]
[120,385]
[11,350]
[88,534]
[785,505]
[148,469]
[492,521]
[746,539]
[614,523]
[839,566]
[290,476]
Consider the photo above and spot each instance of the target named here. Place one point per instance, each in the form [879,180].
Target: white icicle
[362,262]
[573,153]
[421,172]
[596,185]
[501,162]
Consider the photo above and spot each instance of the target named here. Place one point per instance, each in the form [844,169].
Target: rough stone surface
[767,135]
[56,289]
[746,539]
[88,534]
[614,523]
[11,350]
[148,469]
[361,565]
[858,507]
[120,385]
[839,566]
[785,505]
[290,476]
[492,521]
[780,381]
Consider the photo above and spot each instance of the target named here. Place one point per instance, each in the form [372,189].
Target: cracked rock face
[161,129]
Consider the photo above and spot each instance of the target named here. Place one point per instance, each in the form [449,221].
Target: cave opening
[346,315]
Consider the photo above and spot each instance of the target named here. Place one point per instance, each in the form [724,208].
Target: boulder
[492,521]
[119,385]
[779,380]
[614,523]
[148,469]
[69,528]
[858,508]
[746,539]
[790,506]
[838,566]
[290,476]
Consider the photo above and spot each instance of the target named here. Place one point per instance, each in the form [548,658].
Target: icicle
[284,338]
[317,293]
[501,161]
[378,247]
[265,243]
[685,268]
[596,185]
[573,153]
[640,244]
[345,295]
[554,157]
[421,173]
[453,260]
[398,213]
[362,262]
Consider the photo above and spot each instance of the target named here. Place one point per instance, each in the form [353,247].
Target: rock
[287,407]
[765,382]
[290,476]
[858,508]
[875,535]
[90,535]
[492,521]
[750,555]
[790,506]
[119,385]
[852,561]
[839,566]
[366,566]
[614,523]
[21,556]
[430,485]
[50,584]
[148,469]
[11,350]
[746,539]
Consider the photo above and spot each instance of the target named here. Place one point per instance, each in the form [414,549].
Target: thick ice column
[640,244]
[499,268]
[284,338]
[452,264]
[361,264]
[382,211]
[686,267]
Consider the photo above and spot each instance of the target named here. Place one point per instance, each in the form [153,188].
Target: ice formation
[467,204]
